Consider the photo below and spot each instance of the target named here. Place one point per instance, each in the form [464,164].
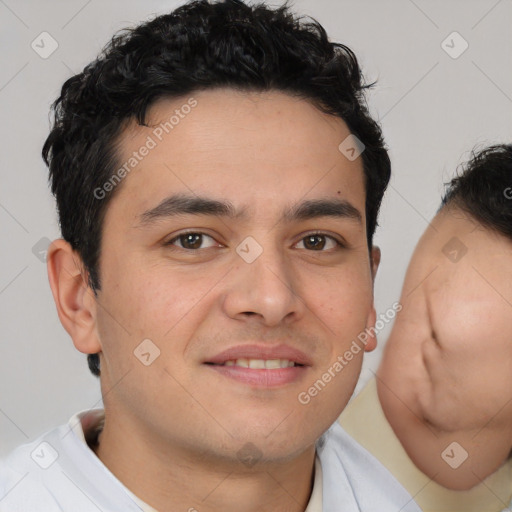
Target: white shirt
[58,472]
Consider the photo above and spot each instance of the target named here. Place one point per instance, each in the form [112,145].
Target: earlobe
[75,302]
[371,340]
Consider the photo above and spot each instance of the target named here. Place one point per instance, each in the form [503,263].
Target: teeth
[261,364]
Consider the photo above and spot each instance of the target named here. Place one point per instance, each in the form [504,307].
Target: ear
[371,341]
[375,261]
[75,300]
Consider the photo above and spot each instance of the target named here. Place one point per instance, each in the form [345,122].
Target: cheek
[476,337]
[155,305]
[343,302]
[475,364]
[154,301]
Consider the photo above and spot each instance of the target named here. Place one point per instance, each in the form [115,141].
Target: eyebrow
[181,204]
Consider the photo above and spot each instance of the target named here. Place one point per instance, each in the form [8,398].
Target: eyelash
[169,243]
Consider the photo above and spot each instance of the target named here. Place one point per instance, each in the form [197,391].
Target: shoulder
[47,472]
[21,480]
[58,472]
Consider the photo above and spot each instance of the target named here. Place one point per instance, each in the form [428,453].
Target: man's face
[214,293]
[448,361]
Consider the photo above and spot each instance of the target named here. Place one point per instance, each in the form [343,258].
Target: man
[444,383]
[218,180]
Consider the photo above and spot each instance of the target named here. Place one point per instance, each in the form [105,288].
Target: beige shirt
[95,421]
[364,420]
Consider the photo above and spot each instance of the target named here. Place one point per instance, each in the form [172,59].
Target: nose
[264,289]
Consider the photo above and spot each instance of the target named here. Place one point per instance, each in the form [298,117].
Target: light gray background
[433,110]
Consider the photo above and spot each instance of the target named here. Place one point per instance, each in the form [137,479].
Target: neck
[169,478]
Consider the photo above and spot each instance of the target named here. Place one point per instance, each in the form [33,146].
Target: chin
[458,482]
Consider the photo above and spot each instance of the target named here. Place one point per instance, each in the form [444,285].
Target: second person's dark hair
[483,188]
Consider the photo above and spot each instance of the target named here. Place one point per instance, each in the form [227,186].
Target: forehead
[250,146]
[458,256]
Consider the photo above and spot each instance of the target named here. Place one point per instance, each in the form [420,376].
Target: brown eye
[191,241]
[319,241]
[314,242]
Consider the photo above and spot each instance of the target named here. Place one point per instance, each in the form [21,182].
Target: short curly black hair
[198,46]
[483,188]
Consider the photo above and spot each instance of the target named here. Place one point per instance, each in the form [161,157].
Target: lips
[252,355]
[261,366]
